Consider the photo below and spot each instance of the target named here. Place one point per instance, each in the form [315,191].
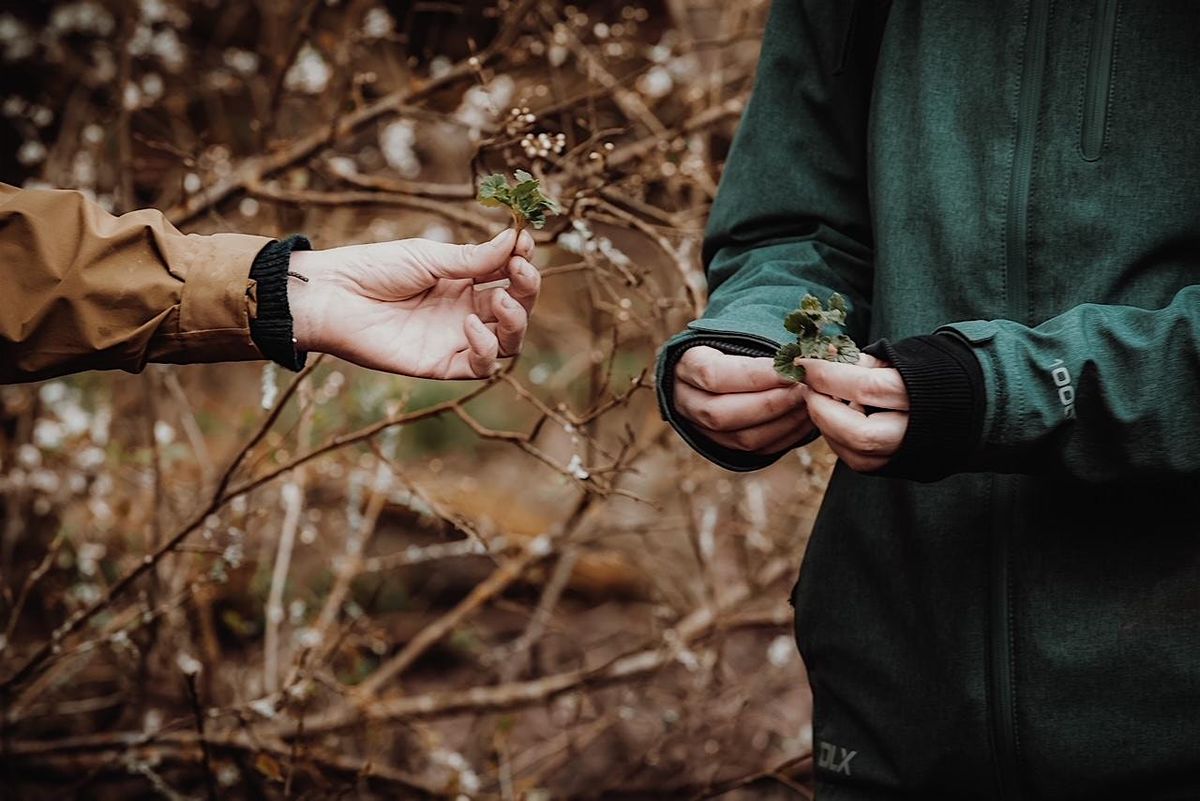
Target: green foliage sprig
[524,200]
[809,324]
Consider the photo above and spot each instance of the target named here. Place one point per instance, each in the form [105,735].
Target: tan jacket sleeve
[83,290]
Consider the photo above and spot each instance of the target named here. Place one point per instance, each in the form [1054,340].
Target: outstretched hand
[412,306]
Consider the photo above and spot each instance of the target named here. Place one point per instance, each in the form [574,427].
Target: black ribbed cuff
[272,329]
[947,400]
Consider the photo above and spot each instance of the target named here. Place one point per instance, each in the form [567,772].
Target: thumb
[475,261]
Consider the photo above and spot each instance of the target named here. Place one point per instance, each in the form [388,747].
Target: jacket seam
[1118,24]
[1111,89]
[1081,101]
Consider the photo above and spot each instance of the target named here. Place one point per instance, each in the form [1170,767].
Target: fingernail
[505,237]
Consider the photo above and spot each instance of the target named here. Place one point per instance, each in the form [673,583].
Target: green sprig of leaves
[524,199]
[810,323]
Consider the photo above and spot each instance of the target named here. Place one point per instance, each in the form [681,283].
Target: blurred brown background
[358,585]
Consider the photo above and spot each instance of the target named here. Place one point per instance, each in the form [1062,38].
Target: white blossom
[13,106]
[152,721]
[83,169]
[152,85]
[378,24]
[28,456]
[781,650]
[169,49]
[52,392]
[481,104]
[308,638]
[101,421]
[270,385]
[31,152]
[131,98]
[45,481]
[48,434]
[264,707]
[656,83]
[296,610]
[16,41]
[439,66]
[233,555]
[164,432]
[575,468]
[341,165]
[83,17]
[74,418]
[228,774]
[188,664]
[706,535]
[540,546]
[41,116]
[243,62]
[396,142]
[310,74]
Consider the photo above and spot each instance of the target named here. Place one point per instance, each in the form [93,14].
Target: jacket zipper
[1004,728]
[1099,79]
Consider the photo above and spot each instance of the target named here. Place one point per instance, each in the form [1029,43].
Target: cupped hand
[838,398]
[414,306]
[740,401]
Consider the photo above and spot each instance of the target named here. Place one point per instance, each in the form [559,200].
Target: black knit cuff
[947,400]
[271,328]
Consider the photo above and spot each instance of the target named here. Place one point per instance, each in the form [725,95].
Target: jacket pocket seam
[1108,76]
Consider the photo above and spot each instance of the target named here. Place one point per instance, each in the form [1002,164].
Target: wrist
[271,328]
[947,402]
[306,298]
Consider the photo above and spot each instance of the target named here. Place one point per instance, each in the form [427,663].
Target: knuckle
[466,254]
[860,441]
[706,375]
[709,418]
[871,443]
[745,440]
[878,388]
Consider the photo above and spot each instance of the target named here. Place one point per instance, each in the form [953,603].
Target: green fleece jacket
[1008,195]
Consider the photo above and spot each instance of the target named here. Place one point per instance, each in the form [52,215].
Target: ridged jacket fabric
[84,290]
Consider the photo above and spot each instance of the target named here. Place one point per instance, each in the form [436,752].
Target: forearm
[87,290]
[1099,393]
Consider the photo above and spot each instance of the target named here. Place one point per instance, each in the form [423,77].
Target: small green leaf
[494,185]
[785,362]
[847,351]
[810,323]
[525,198]
[799,323]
